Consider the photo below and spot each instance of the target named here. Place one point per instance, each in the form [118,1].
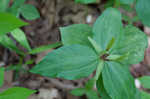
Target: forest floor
[45,30]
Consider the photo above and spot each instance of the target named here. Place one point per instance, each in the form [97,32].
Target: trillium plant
[108,47]
[106,50]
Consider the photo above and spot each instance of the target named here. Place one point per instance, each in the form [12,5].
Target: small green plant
[138,6]
[30,13]
[141,7]
[108,47]
[18,8]
[27,11]
[10,24]
[16,93]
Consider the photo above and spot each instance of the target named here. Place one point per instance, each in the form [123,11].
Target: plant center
[104,57]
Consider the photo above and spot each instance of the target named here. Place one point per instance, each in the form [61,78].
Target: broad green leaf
[87,1]
[133,42]
[44,48]
[1,76]
[16,93]
[101,90]
[118,81]
[92,94]
[3,5]
[18,3]
[90,84]
[9,22]
[78,92]
[29,12]
[14,9]
[138,94]
[69,62]
[19,35]
[107,26]
[143,11]
[8,43]
[76,34]
[127,1]
[145,81]
[145,95]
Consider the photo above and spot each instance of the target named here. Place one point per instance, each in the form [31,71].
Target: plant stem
[99,70]
[95,45]
[117,3]
[19,66]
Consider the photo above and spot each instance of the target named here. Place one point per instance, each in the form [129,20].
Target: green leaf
[101,90]
[1,76]
[14,9]
[110,44]
[76,34]
[18,3]
[127,1]
[107,26]
[133,42]
[28,62]
[113,57]
[99,69]
[143,11]
[92,94]
[138,94]
[145,81]
[29,12]
[16,93]
[69,62]
[90,84]
[9,22]
[44,48]
[19,35]
[8,43]
[4,5]
[78,92]
[95,45]
[87,1]
[118,81]
[145,95]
